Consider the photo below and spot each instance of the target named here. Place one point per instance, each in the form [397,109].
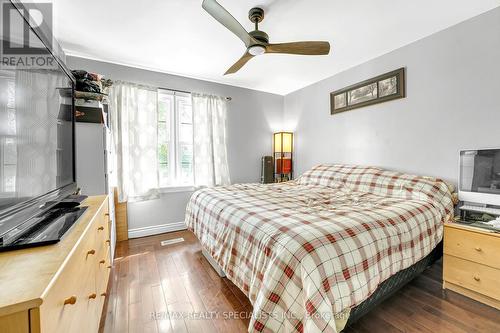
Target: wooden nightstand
[471,263]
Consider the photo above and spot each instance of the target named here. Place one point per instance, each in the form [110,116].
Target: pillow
[378,181]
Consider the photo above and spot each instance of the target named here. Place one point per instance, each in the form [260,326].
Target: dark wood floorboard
[149,281]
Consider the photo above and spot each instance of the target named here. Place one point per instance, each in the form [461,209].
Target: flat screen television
[479,180]
[37,143]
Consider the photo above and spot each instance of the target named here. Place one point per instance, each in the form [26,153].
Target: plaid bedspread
[305,250]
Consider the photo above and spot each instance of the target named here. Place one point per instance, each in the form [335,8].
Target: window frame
[173,183]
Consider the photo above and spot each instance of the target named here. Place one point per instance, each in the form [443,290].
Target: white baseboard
[156,229]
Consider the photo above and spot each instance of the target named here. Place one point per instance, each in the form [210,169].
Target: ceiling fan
[257,41]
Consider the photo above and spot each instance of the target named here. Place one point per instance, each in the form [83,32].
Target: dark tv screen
[36,153]
[36,134]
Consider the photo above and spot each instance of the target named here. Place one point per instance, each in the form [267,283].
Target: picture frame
[379,89]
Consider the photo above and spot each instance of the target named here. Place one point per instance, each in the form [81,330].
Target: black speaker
[267,170]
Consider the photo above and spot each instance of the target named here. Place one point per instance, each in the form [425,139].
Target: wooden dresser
[61,287]
[471,264]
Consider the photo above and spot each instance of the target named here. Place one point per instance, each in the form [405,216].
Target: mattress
[307,250]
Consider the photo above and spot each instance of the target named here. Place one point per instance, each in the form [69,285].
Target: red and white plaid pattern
[305,250]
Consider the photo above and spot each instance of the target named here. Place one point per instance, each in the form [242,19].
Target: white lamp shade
[283,142]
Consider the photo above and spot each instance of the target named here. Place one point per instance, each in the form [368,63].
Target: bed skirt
[390,286]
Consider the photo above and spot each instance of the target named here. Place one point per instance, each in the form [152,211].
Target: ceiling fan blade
[240,63]
[303,48]
[226,19]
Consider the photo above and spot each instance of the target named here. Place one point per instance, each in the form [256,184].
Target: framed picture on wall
[382,88]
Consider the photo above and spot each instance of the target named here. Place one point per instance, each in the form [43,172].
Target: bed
[307,253]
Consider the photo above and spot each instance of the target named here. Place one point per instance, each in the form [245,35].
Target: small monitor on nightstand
[479,180]
[479,188]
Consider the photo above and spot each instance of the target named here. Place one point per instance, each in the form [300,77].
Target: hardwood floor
[149,280]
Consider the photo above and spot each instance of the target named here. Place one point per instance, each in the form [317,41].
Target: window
[175,139]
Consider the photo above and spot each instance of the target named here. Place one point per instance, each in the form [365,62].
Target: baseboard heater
[213,263]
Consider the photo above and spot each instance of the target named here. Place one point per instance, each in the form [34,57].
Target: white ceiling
[179,37]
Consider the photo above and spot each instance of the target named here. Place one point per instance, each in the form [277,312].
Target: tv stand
[46,228]
[66,205]
[69,202]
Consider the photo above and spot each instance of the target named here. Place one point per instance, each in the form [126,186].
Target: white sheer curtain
[134,127]
[209,140]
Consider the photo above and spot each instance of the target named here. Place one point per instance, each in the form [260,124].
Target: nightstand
[471,263]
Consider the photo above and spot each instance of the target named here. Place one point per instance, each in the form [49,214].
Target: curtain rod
[228,98]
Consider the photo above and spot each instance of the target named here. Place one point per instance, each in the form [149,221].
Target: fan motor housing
[260,35]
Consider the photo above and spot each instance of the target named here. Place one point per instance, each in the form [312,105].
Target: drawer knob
[103,294]
[109,267]
[108,241]
[102,261]
[478,249]
[107,214]
[71,300]
[91,252]
[100,228]
[92,296]
[477,278]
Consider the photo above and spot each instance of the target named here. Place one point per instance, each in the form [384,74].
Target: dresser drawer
[103,271]
[67,297]
[102,234]
[467,274]
[15,323]
[473,246]
[69,302]
[102,277]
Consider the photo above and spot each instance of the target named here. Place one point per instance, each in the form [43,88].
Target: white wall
[453,102]
[252,118]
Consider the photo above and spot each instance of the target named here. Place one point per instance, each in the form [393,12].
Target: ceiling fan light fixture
[257,41]
[256,50]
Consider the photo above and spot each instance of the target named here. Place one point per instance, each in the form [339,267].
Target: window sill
[175,189]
